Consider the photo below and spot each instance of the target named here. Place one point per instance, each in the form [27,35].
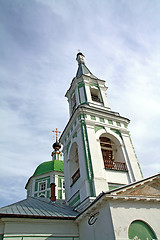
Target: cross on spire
[56,131]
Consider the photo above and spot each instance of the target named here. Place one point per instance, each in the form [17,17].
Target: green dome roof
[49,166]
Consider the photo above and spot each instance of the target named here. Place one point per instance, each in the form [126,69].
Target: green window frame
[118,124]
[110,122]
[93,117]
[101,120]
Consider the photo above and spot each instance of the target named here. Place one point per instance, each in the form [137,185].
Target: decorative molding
[87,157]
[97,128]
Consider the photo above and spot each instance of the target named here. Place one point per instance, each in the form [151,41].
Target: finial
[80,57]
[56,131]
[56,145]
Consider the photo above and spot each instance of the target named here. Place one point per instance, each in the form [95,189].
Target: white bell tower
[98,152]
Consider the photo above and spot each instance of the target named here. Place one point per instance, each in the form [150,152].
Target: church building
[97,190]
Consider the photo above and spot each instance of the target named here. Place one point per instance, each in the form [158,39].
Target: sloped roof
[82,69]
[45,167]
[39,208]
[145,189]
[149,186]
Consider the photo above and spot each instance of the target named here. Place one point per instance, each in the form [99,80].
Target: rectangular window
[36,186]
[101,119]
[59,182]
[118,124]
[48,194]
[59,194]
[93,117]
[110,121]
[42,186]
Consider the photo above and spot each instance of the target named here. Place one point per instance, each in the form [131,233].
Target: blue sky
[39,40]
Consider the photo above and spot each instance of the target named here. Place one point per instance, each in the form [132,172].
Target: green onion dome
[45,167]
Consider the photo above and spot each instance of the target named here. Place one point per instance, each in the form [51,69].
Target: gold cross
[56,131]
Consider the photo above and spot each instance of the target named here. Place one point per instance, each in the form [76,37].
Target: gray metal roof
[82,69]
[39,208]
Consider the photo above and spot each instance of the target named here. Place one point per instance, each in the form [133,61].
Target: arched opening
[107,152]
[74,163]
[42,195]
[95,94]
[112,154]
[141,230]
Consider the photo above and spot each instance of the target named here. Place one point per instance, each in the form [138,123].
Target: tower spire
[82,68]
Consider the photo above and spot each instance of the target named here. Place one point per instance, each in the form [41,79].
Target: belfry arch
[112,153]
[74,163]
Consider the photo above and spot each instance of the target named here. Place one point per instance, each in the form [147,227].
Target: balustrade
[111,164]
[75,176]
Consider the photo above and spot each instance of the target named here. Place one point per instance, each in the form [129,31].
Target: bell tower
[98,152]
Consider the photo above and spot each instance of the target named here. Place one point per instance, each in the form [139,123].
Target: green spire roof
[82,69]
[49,166]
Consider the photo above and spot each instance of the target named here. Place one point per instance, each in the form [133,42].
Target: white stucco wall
[133,161]
[115,217]
[125,212]
[40,229]
[102,229]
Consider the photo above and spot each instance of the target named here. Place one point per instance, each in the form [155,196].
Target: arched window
[112,155]
[107,152]
[95,94]
[141,230]
[74,163]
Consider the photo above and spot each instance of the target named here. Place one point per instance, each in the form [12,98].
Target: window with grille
[42,186]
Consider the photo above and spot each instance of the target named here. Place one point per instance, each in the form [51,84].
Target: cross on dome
[56,131]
